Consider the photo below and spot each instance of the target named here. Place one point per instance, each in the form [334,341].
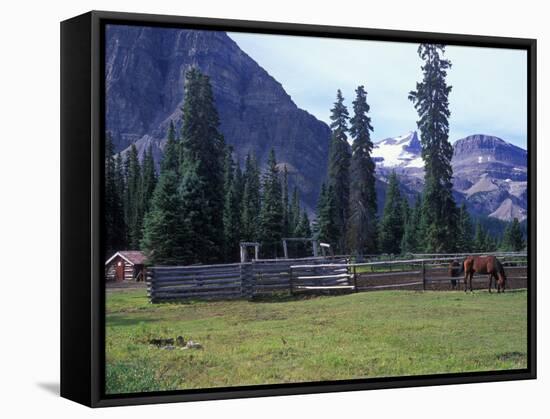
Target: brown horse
[484,265]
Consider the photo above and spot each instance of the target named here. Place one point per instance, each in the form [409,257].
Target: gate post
[423,276]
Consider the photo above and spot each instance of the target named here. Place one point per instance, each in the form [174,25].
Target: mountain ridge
[145,70]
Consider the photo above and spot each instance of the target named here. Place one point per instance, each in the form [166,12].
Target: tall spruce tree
[326,216]
[201,160]
[294,216]
[432,104]
[287,227]
[338,168]
[172,151]
[391,225]
[133,199]
[114,210]
[120,185]
[362,224]
[250,200]
[232,208]
[148,180]
[271,213]
[164,231]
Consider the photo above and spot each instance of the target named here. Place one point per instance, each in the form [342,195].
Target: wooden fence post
[355,278]
[150,283]
[290,280]
[423,276]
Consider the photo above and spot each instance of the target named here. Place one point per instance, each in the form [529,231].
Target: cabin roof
[133,257]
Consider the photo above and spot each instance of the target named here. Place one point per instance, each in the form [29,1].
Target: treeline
[346,213]
[201,204]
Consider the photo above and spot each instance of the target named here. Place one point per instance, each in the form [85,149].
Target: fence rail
[267,277]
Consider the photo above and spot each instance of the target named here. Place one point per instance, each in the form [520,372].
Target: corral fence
[267,277]
[426,273]
[263,277]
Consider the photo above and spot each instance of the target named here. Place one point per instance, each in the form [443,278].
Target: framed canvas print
[254,209]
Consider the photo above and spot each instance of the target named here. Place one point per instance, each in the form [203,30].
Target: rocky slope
[145,70]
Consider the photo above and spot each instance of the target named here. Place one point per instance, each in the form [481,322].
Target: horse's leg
[466,281]
[490,281]
[471,282]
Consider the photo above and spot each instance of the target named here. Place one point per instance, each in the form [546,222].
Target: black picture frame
[82,282]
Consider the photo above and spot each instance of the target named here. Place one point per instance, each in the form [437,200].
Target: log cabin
[126,265]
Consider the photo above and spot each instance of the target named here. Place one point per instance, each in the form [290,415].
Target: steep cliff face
[145,70]
[478,154]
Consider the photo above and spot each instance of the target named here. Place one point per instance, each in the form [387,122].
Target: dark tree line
[129,187]
[201,204]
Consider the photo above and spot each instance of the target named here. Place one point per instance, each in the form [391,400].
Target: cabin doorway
[119,274]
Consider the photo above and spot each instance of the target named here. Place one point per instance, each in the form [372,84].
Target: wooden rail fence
[267,277]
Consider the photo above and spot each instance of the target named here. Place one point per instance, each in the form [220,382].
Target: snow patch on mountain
[401,151]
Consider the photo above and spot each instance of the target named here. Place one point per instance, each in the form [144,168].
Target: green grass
[371,334]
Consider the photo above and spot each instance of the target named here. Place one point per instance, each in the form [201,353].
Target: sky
[489,94]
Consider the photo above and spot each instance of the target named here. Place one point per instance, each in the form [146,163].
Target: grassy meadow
[370,334]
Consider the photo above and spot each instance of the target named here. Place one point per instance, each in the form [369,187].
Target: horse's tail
[500,268]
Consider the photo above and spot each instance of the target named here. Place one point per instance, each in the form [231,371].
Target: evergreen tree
[164,230]
[287,228]
[480,239]
[465,230]
[411,234]
[114,211]
[294,216]
[512,240]
[271,214]
[133,199]
[171,158]
[250,200]
[201,159]
[326,215]
[362,223]
[231,210]
[120,185]
[431,102]
[338,168]
[148,181]
[391,225]
[303,229]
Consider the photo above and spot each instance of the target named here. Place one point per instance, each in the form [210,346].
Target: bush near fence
[261,278]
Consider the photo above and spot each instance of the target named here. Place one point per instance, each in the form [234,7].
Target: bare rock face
[145,71]
[492,176]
